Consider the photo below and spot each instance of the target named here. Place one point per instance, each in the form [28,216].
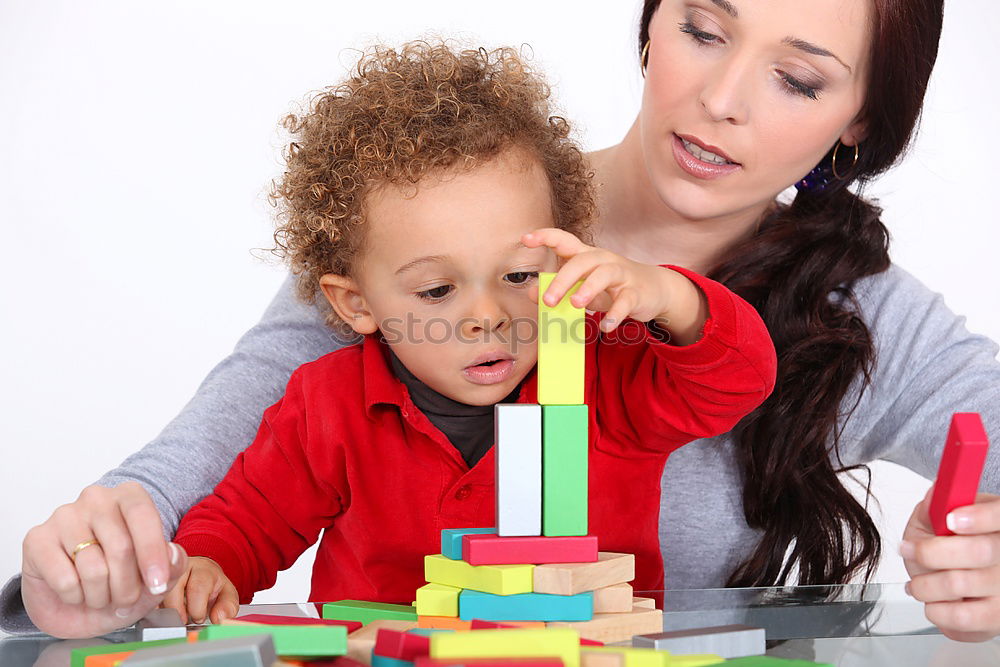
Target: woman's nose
[726,94]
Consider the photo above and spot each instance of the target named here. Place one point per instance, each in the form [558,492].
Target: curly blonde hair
[403,114]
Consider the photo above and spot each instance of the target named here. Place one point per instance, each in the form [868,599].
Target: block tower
[538,565]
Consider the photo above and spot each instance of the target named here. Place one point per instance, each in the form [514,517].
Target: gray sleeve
[191,455]
[928,367]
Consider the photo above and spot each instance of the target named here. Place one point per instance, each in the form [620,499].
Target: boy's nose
[487,314]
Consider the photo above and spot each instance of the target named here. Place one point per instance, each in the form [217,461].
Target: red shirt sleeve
[661,396]
[269,508]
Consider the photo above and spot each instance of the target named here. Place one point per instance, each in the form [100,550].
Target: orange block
[106,659]
[445,622]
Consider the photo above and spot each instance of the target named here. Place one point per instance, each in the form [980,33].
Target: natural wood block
[616,599]
[617,627]
[572,578]
[631,657]
[360,643]
[644,603]
[591,659]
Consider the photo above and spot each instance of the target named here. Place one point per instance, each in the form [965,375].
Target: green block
[366,612]
[564,470]
[78,656]
[299,640]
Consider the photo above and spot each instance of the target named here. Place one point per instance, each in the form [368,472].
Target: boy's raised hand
[203,593]
[621,287]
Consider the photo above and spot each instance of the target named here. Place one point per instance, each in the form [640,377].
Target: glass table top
[849,626]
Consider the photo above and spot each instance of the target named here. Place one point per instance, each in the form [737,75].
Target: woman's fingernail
[174,553]
[157,582]
[123,612]
[957,522]
[906,549]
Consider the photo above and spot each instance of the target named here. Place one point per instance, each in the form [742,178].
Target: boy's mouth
[490,368]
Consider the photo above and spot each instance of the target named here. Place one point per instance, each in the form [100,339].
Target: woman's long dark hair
[798,271]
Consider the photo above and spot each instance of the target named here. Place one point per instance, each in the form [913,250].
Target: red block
[496,550]
[488,662]
[401,645]
[960,470]
[266,619]
[590,642]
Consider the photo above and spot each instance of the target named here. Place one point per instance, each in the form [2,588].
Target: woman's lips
[492,374]
[699,168]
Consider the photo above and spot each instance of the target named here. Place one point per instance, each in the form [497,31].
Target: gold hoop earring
[854,162]
[644,58]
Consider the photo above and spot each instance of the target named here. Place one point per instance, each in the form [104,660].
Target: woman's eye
[435,293]
[520,277]
[699,36]
[796,87]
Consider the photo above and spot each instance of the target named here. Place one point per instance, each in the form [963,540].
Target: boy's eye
[520,277]
[435,293]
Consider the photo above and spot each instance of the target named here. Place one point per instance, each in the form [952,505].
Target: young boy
[422,198]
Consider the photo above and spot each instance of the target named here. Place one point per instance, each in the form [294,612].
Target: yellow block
[693,660]
[634,657]
[561,350]
[562,644]
[496,579]
[437,600]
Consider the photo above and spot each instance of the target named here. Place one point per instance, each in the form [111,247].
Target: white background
[137,140]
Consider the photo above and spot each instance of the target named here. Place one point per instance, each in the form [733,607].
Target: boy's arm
[273,503]
[664,395]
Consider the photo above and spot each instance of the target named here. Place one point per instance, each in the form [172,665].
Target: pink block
[960,470]
[401,645]
[266,619]
[496,550]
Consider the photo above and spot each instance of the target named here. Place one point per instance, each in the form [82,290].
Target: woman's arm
[185,461]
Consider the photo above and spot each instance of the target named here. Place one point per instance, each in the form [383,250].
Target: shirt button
[463,493]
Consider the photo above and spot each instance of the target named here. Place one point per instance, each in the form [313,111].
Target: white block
[518,437]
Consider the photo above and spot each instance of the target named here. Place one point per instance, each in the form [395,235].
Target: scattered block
[572,578]
[728,641]
[496,550]
[561,338]
[361,643]
[366,612]
[107,659]
[591,659]
[696,660]
[267,619]
[767,661]
[437,600]
[526,606]
[297,640]
[163,623]
[497,579]
[251,651]
[518,437]
[443,623]
[451,539]
[563,644]
[644,603]
[383,661]
[629,657]
[960,469]
[616,627]
[401,645]
[480,624]
[488,662]
[78,656]
[614,599]
[564,470]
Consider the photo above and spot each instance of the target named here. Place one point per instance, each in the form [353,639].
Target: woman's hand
[957,576]
[98,564]
[203,592]
[622,288]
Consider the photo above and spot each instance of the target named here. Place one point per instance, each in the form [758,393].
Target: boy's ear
[346,299]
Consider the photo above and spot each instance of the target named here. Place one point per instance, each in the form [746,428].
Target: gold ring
[81,546]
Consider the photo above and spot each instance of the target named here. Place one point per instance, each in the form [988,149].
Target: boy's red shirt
[346,453]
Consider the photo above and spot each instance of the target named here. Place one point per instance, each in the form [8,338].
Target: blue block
[427,632]
[451,540]
[525,607]
[382,661]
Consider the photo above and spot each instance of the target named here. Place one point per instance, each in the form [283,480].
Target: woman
[741,100]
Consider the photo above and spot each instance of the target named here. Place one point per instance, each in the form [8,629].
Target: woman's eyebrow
[795,42]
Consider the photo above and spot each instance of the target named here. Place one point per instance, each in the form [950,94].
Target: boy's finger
[563,243]
[603,276]
[124,583]
[569,274]
[175,598]
[227,605]
[199,590]
[151,554]
[620,309]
